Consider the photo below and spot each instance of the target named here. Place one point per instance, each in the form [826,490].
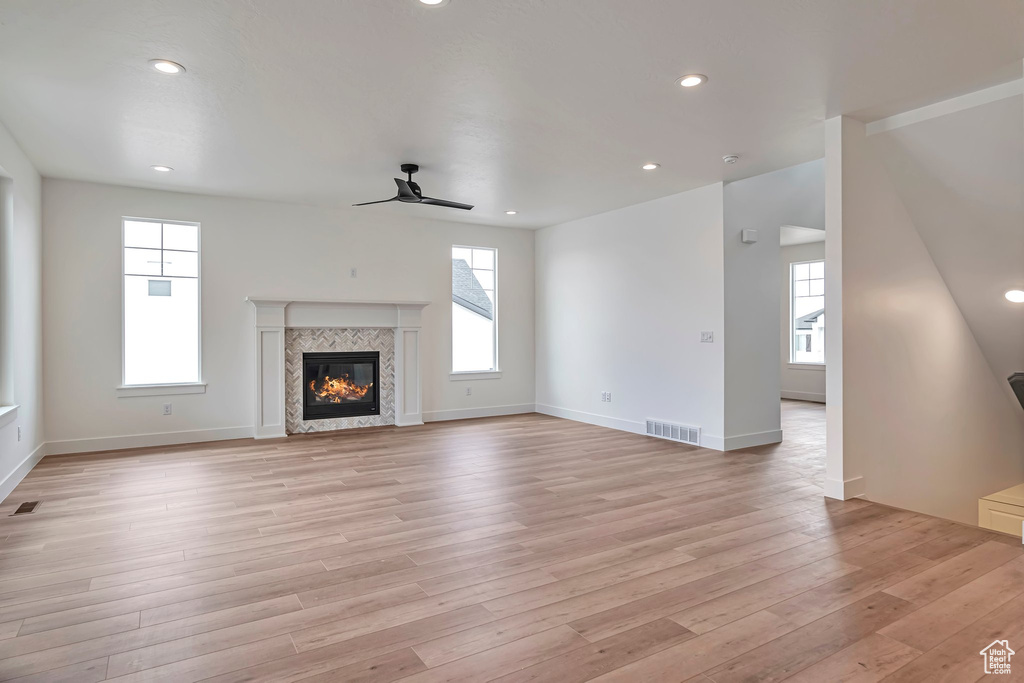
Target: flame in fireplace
[338,389]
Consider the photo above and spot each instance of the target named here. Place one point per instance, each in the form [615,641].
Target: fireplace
[340,384]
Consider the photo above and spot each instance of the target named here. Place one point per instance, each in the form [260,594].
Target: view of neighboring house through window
[161,302]
[474,307]
[807,312]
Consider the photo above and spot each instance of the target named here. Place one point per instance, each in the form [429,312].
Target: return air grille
[674,432]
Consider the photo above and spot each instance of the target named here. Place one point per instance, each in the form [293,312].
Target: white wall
[921,416]
[253,248]
[803,382]
[790,196]
[20,314]
[621,300]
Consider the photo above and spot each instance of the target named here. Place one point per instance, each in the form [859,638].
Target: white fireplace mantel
[274,315]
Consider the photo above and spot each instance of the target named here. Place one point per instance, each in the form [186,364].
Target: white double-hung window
[161,343]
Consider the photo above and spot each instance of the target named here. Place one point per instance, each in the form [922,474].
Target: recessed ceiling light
[511,213]
[166,66]
[162,169]
[692,80]
[1016,296]
[731,158]
[434,3]
[650,167]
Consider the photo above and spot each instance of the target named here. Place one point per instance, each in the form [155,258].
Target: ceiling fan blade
[382,201]
[445,202]
[404,190]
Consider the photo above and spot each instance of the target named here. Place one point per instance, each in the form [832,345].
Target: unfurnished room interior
[485,340]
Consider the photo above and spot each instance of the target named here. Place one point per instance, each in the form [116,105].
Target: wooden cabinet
[1003,511]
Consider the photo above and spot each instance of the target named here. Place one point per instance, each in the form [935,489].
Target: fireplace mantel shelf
[279,301]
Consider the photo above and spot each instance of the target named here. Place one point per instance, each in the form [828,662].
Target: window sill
[7,414]
[463,376]
[160,389]
[820,367]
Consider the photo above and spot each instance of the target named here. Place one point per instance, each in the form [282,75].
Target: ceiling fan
[409,192]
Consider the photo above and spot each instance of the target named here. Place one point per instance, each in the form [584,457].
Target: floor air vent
[26,508]
[674,432]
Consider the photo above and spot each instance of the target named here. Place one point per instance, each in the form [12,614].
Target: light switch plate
[707,337]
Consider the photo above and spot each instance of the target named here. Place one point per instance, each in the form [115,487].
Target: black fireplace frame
[327,411]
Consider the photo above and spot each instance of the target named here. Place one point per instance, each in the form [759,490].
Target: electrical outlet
[167,409]
[707,337]
[609,396]
[354,273]
[469,391]
[19,432]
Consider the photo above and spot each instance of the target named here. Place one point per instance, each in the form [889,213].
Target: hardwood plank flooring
[522,548]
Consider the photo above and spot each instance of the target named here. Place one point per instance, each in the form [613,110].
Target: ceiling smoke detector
[731,158]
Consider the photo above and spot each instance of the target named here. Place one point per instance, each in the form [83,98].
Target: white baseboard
[803,396]
[15,477]
[594,419]
[111,443]
[844,490]
[468,413]
[715,443]
[734,443]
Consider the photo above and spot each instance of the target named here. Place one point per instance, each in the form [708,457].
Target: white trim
[950,106]
[734,443]
[807,366]
[7,414]
[160,389]
[803,396]
[466,376]
[844,490]
[468,413]
[14,478]
[111,443]
[716,443]
[594,419]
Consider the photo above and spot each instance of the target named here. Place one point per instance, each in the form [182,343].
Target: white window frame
[795,364]
[8,408]
[466,375]
[127,390]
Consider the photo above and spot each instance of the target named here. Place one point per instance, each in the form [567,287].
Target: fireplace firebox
[340,384]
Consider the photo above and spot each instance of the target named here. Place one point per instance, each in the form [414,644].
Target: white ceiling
[960,177]
[547,107]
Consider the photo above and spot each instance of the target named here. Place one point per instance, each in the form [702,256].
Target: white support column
[269,408]
[844,475]
[408,406]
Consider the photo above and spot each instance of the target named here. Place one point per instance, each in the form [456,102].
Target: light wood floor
[518,548]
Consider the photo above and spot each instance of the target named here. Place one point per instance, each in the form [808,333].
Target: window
[474,309]
[807,312]
[161,302]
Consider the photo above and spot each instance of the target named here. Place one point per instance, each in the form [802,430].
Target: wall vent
[674,432]
[26,508]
